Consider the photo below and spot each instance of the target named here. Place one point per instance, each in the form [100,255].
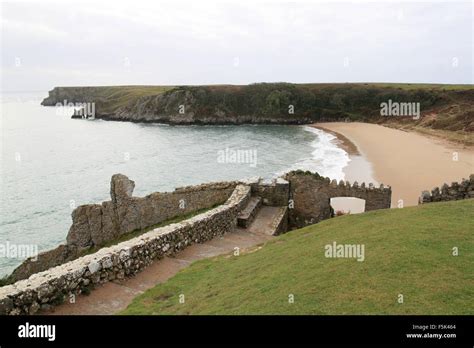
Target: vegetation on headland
[108,98]
[446,110]
[408,252]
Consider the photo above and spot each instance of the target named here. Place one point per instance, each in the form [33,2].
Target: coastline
[359,168]
[342,141]
[407,161]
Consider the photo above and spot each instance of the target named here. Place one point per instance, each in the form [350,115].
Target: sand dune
[408,162]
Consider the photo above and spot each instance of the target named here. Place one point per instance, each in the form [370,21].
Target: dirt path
[115,296]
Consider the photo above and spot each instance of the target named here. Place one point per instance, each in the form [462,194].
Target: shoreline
[342,141]
[359,168]
[407,161]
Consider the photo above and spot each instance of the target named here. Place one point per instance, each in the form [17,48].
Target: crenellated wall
[125,259]
[455,191]
[311,196]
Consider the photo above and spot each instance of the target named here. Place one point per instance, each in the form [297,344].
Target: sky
[84,43]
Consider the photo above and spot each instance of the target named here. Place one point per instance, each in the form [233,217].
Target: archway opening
[347,205]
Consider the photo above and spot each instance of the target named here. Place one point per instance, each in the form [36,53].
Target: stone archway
[311,196]
[347,205]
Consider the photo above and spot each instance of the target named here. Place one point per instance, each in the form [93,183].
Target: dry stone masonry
[456,191]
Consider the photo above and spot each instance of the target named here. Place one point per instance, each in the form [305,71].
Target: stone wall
[43,289]
[455,191]
[274,192]
[280,224]
[94,225]
[311,197]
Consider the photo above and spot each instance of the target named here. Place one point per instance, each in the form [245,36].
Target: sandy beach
[408,162]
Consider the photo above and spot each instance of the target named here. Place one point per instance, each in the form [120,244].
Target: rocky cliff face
[205,105]
[442,107]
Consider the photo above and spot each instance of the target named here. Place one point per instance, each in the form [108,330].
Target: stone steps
[248,214]
[270,221]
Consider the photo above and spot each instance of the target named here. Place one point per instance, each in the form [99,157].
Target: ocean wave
[327,158]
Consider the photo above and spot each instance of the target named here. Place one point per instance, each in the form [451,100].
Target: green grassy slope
[407,251]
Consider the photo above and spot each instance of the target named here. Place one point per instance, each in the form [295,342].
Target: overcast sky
[68,43]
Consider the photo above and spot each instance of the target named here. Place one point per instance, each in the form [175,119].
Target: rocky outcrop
[45,260]
[455,191]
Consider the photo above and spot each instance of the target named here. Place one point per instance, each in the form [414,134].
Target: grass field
[407,251]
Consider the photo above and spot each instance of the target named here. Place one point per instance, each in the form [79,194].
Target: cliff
[442,107]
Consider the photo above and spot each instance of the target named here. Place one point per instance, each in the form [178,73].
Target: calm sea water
[51,163]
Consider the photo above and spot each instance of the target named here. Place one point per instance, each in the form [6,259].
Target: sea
[51,163]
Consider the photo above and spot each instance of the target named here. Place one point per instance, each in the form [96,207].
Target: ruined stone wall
[97,224]
[311,195]
[125,259]
[455,191]
[274,192]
